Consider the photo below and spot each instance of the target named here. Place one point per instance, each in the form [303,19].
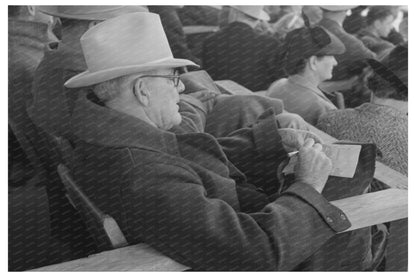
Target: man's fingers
[317,146]
[309,142]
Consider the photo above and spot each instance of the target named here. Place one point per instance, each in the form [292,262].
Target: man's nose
[335,61]
[181,87]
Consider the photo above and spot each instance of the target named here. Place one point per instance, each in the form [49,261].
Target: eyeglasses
[175,78]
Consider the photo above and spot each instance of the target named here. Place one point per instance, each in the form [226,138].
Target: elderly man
[186,195]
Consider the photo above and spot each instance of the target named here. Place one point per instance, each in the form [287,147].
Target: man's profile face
[385,25]
[324,67]
[163,107]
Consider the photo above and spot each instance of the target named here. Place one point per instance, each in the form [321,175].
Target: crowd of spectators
[179,165]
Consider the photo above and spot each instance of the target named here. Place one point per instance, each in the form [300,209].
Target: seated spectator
[314,14]
[348,74]
[356,21]
[309,61]
[202,21]
[237,52]
[384,120]
[186,195]
[379,25]
[403,27]
[51,104]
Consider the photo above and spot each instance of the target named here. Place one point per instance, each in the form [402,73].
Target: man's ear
[141,92]
[312,61]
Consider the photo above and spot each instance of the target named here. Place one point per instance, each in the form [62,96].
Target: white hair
[108,90]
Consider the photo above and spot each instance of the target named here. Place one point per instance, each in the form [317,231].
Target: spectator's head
[390,75]
[31,13]
[87,16]
[314,14]
[312,50]
[131,68]
[248,14]
[337,13]
[380,19]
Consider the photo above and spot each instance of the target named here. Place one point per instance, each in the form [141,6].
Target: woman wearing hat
[309,60]
[384,120]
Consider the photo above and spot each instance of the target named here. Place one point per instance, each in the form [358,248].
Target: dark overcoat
[187,197]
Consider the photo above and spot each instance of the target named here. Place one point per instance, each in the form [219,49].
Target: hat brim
[88,78]
[387,74]
[336,8]
[101,15]
[262,16]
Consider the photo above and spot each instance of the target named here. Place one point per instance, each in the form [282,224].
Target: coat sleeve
[168,208]
[257,151]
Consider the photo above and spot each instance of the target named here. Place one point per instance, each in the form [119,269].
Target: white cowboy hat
[253,11]
[124,45]
[90,12]
[337,8]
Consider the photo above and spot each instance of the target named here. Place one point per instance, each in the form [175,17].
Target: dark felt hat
[306,42]
[393,67]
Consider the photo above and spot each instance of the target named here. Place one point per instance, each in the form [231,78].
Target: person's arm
[174,212]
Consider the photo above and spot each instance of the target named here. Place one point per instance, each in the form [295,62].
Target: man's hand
[292,120]
[313,165]
[294,139]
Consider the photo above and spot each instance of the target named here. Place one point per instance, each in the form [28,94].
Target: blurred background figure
[309,60]
[314,14]
[383,120]
[198,23]
[379,25]
[173,28]
[356,21]
[289,19]
[30,244]
[239,53]
[348,76]
[403,26]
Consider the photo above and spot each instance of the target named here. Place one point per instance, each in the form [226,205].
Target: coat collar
[304,82]
[100,125]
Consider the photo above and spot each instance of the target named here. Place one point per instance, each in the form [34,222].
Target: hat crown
[305,42]
[138,37]
[253,11]
[90,12]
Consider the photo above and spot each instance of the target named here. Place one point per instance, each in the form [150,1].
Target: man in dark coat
[237,52]
[192,197]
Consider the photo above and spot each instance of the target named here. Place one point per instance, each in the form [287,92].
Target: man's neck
[311,77]
[128,108]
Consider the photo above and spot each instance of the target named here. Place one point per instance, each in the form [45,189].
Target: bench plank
[362,211]
[232,88]
[374,208]
[139,257]
[199,29]
[383,173]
